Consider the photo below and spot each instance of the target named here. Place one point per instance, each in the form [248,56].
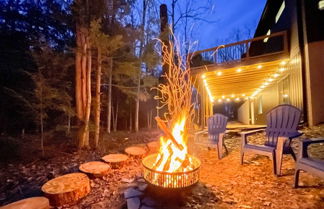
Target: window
[281,9]
[260,103]
[266,39]
[284,90]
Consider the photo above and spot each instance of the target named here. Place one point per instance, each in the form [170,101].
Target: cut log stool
[95,168]
[67,189]
[29,203]
[136,151]
[153,146]
[115,160]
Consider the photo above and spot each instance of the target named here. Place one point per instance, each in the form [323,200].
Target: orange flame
[170,157]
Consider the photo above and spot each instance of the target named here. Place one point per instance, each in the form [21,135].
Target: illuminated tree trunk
[85,89]
[78,74]
[97,106]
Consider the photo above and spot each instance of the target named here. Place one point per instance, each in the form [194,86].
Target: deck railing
[275,43]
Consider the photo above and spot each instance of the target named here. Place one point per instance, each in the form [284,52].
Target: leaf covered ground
[224,183]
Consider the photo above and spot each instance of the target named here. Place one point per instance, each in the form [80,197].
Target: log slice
[135,151]
[115,160]
[153,146]
[67,189]
[95,168]
[29,203]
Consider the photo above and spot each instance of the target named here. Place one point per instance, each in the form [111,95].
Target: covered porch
[244,80]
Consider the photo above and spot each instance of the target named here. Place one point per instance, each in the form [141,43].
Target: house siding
[293,73]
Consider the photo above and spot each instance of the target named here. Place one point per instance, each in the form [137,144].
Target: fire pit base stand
[146,196]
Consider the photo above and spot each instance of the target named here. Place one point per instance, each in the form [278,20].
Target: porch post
[202,107]
[251,101]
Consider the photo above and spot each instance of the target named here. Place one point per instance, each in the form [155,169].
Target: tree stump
[67,189]
[95,168]
[29,203]
[115,160]
[136,151]
[154,146]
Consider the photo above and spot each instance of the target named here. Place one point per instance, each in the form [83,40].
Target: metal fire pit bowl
[170,180]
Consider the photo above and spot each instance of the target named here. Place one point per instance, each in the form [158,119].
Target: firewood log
[167,132]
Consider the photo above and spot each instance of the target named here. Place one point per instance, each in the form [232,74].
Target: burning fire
[173,154]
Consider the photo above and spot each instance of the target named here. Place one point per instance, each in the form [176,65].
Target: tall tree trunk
[140,70]
[84,140]
[172,16]
[137,103]
[116,118]
[81,92]
[109,96]
[78,74]
[97,110]
[68,130]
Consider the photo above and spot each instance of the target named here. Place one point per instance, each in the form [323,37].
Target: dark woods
[83,65]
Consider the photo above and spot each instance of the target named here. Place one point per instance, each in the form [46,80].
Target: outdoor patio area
[161,104]
[223,183]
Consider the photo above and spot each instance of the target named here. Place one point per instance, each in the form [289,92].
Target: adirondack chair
[216,130]
[306,163]
[282,122]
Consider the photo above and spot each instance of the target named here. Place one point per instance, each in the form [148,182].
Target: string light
[282,69]
[208,91]
[270,79]
[283,63]
[276,75]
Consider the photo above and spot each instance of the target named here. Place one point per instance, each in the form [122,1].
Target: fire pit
[172,167]
[170,179]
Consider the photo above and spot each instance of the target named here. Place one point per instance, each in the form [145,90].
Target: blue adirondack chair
[216,130]
[282,124]
[306,163]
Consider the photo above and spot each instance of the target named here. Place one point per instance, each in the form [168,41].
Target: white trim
[281,9]
[268,34]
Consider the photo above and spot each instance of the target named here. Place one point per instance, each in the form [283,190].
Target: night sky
[226,16]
